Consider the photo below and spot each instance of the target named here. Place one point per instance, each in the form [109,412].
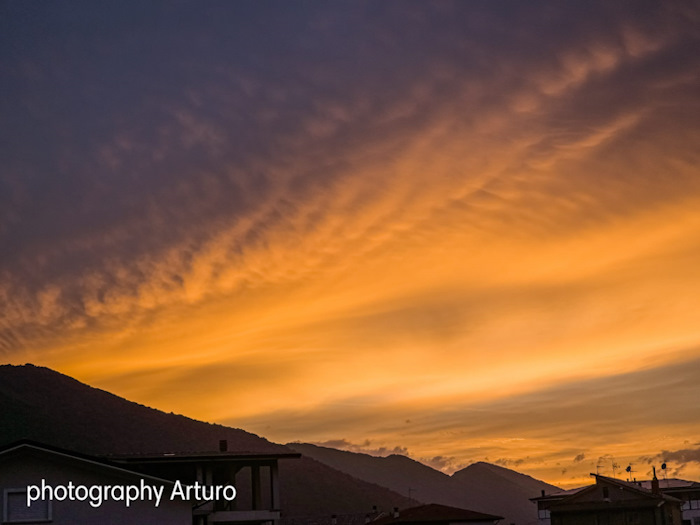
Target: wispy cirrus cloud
[365,447]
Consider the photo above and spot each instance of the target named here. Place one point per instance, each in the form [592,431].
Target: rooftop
[199,456]
[435,513]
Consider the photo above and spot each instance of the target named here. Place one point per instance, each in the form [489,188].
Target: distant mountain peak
[480,471]
[481,486]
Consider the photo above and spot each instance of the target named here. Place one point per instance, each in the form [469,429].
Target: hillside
[497,486]
[332,492]
[397,472]
[43,405]
[483,472]
[481,486]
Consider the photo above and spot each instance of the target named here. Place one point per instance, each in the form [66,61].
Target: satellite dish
[629,468]
[663,466]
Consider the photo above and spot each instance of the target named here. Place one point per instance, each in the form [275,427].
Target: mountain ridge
[38,401]
[481,487]
[45,406]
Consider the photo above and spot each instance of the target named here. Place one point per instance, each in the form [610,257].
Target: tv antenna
[615,466]
[629,472]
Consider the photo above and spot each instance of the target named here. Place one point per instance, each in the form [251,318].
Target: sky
[462,231]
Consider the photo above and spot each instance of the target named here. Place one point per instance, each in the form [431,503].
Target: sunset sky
[461,231]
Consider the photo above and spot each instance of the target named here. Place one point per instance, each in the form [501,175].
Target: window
[16,509]
[543,514]
[691,504]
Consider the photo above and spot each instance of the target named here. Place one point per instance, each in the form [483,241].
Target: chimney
[396,512]
[655,483]
[223,445]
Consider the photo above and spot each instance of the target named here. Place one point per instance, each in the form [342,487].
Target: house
[686,491]
[435,514]
[75,490]
[255,476]
[610,502]
[41,483]
[545,501]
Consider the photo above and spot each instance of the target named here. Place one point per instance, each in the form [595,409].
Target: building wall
[612,517]
[19,470]
[664,515]
[674,515]
[690,508]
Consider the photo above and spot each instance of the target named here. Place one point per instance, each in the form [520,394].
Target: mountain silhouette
[46,406]
[503,488]
[331,492]
[481,486]
[42,405]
